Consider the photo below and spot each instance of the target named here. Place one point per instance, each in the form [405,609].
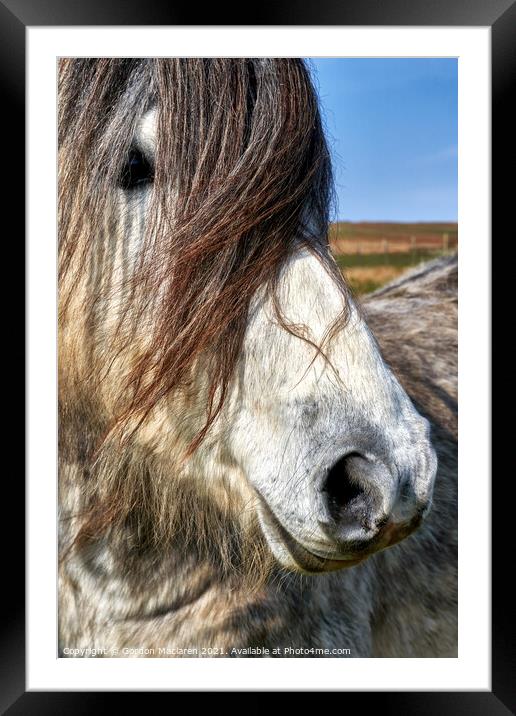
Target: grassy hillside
[373,231]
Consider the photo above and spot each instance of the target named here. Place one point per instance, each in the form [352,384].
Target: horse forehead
[309,296]
[309,291]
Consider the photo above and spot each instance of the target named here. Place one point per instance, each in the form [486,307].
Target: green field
[399,260]
[372,254]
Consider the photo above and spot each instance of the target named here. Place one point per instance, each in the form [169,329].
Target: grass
[360,288]
[367,272]
[397,260]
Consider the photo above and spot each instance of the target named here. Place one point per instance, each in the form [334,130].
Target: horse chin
[294,556]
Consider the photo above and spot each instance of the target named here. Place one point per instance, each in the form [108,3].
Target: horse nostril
[349,498]
[345,497]
[339,486]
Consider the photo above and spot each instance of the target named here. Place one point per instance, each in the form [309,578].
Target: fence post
[385,246]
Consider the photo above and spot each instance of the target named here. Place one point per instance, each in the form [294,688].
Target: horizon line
[395,221]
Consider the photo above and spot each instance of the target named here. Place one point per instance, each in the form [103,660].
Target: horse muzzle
[363,507]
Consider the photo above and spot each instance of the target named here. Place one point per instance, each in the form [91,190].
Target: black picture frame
[15,16]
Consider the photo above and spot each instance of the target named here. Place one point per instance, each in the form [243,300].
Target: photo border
[500,15]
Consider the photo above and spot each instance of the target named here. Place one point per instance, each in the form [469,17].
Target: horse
[241,471]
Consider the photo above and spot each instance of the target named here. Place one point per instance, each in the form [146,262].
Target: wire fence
[440,243]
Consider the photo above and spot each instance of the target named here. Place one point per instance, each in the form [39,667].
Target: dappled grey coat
[125,600]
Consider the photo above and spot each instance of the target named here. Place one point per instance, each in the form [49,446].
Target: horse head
[202,310]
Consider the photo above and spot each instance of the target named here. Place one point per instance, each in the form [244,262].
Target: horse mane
[241,149]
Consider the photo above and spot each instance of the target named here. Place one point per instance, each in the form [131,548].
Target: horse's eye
[136,171]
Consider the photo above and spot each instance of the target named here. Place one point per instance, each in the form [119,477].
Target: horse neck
[119,537]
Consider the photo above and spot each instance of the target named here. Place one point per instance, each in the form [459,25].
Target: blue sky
[392,127]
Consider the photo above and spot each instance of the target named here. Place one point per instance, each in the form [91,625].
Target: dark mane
[241,148]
